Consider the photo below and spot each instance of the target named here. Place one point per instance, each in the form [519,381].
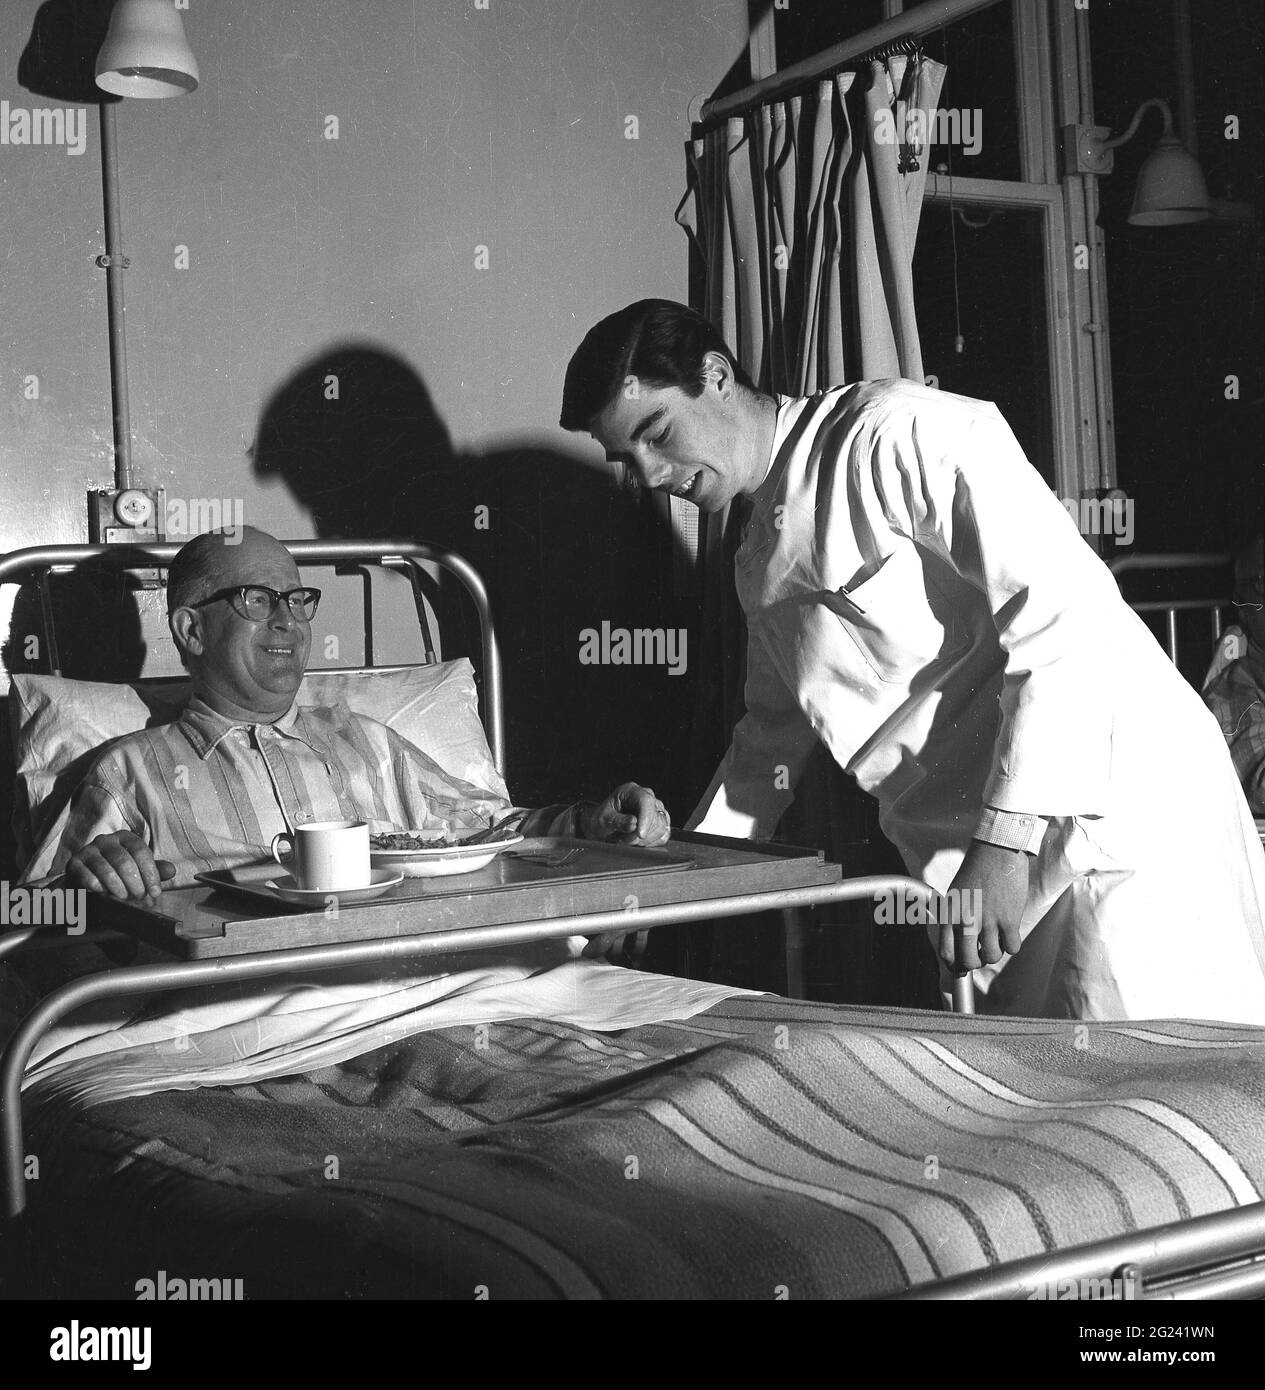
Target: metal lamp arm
[1132,128]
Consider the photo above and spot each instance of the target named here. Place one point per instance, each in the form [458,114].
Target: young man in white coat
[918,600]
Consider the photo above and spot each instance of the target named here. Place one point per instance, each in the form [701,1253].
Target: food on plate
[404,840]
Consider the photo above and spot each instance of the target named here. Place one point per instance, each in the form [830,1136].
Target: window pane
[1001,293]
[980,87]
[808,26]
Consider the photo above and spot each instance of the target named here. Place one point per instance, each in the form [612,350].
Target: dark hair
[656,340]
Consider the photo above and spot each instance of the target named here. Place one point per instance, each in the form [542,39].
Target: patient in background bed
[243,762]
[1234,688]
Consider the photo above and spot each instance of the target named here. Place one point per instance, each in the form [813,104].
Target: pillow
[435,707]
[60,725]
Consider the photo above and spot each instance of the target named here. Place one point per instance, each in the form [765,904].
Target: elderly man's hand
[120,864]
[631,815]
[994,881]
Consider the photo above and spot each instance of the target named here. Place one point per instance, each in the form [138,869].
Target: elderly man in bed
[918,601]
[243,762]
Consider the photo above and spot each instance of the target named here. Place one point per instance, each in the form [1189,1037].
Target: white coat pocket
[893,621]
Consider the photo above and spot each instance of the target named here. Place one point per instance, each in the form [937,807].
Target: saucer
[289,891]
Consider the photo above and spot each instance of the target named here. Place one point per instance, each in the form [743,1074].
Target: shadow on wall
[355,436]
[60,57]
[99,637]
[95,619]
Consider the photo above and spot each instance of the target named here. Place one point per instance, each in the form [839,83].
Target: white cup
[326,855]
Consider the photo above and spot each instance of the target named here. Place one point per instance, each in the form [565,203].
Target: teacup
[326,855]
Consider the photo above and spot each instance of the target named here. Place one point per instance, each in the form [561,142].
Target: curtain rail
[920,20]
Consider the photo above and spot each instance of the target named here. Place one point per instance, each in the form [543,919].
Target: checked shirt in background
[1235,693]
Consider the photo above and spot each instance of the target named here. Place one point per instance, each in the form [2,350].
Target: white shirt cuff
[1016,830]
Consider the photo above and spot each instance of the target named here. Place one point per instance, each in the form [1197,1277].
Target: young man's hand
[630,815]
[995,880]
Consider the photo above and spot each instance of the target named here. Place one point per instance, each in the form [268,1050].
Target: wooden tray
[525,864]
[199,923]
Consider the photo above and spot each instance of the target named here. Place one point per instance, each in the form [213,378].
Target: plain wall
[458,128]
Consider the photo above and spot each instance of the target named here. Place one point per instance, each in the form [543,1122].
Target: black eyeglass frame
[238,592]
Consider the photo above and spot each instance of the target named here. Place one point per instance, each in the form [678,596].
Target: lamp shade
[145,53]
[1170,187]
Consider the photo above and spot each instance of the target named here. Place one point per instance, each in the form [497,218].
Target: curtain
[803,215]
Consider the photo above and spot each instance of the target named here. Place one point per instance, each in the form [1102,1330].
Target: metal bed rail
[37,562]
[1171,607]
[1219,1256]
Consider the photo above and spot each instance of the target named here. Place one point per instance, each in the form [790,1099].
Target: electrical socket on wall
[1083,152]
[134,516]
[131,516]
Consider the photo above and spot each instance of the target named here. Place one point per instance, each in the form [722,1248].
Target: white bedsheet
[249,1032]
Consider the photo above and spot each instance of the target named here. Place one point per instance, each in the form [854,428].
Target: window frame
[1054,91]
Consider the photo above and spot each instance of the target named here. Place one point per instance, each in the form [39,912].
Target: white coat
[918,600]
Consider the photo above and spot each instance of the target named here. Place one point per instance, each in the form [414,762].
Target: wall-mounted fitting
[1170,188]
[1084,151]
[132,516]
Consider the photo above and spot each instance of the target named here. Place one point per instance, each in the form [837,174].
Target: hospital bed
[763,1148]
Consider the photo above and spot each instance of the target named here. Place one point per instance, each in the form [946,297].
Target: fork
[483,835]
[549,861]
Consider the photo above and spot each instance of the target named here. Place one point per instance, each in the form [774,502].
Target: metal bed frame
[1216,1256]
[1221,1256]
[39,562]
[1170,608]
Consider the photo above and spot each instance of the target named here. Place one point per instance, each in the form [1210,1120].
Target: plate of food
[423,854]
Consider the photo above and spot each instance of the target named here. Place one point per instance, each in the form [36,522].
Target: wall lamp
[144,54]
[1170,188]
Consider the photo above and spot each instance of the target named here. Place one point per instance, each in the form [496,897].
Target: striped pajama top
[208,793]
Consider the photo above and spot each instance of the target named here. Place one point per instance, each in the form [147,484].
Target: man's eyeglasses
[258,603]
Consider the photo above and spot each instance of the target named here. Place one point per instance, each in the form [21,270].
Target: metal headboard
[1171,607]
[37,562]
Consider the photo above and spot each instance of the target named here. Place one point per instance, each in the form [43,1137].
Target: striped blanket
[764,1148]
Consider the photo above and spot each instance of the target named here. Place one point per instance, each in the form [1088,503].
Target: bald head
[216,559]
[246,668]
